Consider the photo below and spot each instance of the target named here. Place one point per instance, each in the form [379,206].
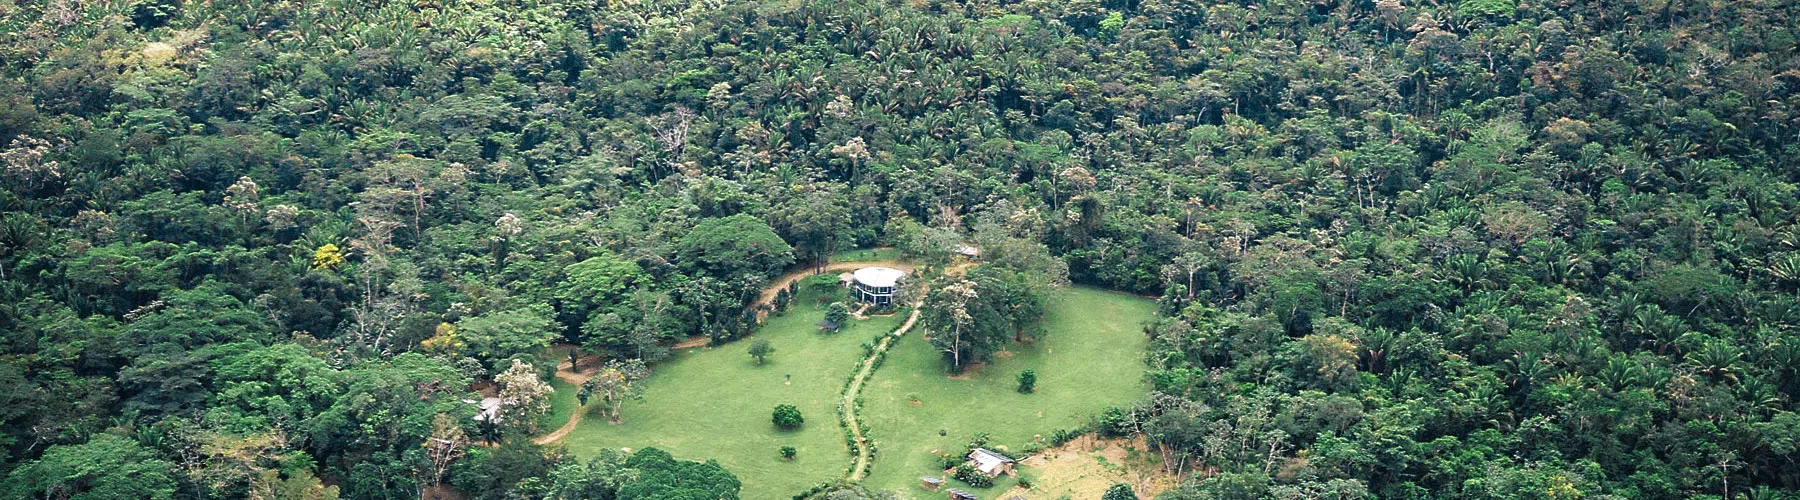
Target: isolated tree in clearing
[787,417]
[760,349]
[615,383]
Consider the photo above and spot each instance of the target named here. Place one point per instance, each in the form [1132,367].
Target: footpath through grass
[1090,359]
[562,404]
[714,403]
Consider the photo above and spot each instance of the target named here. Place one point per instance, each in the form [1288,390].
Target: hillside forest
[1473,249]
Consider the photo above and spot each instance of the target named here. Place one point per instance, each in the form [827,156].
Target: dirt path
[575,378]
[768,294]
[692,342]
[861,467]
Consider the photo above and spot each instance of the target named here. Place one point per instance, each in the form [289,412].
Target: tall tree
[615,383]
[523,398]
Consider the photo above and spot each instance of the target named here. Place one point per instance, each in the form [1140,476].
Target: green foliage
[760,349]
[1027,382]
[661,477]
[967,474]
[837,312]
[1536,243]
[786,417]
[975,317]
[489,472]
[1111,25]
[1119,491]
[598,281]
[788,452]
[824,286]
[1485,7]
[732,246]
[496,337]
[105,467]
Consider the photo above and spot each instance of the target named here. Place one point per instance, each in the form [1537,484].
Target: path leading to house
[768,294]
[861,467]
[574,376]
[849,415]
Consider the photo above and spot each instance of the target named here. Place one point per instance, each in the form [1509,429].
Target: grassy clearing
[1090,359]
[562,404]
[714,403]
[866,254]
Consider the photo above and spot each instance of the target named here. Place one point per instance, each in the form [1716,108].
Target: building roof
[829,325]
[968,250]
[490,410]
[959,493]
[987,461]
[879,276]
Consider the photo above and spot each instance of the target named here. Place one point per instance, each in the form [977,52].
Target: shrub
[967,473]
[1119,491]
[788,452]
[1114,422]
[787,417]
[837,312]
[760,349]
[1027,382]
[949,461]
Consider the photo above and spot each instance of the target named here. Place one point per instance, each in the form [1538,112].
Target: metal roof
[879,276]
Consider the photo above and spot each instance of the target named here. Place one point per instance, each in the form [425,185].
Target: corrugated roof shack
[990,462]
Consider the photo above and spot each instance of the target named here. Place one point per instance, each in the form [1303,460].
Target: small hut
[931,483]
[958,494]
[489,410]
[876,285]
[990,462]
[829,326]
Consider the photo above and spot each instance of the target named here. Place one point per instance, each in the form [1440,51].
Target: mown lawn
[866,254]
[714,403]
[1090,359]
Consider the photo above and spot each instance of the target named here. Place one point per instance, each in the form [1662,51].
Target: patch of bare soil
[694,341]
[969,371]
[1086,466]
[440,492]
[561,432]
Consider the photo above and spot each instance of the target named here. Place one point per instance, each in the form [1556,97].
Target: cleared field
[714,403]
[1090,359]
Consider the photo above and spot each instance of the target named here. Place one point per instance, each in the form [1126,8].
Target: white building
[876,285]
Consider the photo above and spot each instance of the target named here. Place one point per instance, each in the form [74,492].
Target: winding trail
[848,416]
[863,454]
[574,377]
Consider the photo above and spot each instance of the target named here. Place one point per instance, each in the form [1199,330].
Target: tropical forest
[899,249]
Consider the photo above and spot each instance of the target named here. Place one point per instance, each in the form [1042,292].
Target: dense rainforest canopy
[1404,248]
